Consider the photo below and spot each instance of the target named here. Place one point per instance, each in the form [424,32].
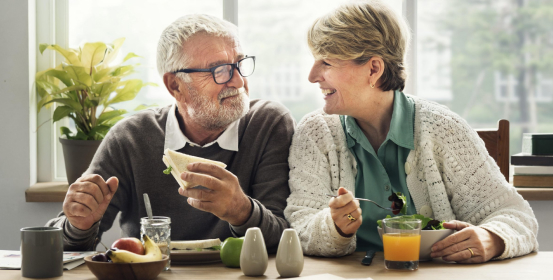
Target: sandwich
[197,245]
[176,164]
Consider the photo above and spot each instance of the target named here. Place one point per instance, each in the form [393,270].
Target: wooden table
[534,266]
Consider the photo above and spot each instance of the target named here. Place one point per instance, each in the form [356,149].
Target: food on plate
[399,203]
[151,253]
[197,245]
[230,251]
[426,223]
[176,164]
[130,244]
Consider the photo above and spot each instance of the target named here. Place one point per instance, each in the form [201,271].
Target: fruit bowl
[126,271]
[428,238]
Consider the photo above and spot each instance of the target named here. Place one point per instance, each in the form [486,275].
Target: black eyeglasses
[223,73]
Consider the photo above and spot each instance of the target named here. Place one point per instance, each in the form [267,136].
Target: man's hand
[87,200]
[345,212]
[484,244]
[224,197]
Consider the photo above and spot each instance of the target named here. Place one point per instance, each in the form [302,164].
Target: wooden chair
[497,143]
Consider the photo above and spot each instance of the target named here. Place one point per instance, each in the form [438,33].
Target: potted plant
[84,87]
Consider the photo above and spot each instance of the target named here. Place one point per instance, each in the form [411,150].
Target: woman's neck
[375,116]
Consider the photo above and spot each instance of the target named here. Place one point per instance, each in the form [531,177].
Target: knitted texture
[451,177]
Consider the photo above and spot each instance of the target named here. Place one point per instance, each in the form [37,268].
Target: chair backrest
[497,143]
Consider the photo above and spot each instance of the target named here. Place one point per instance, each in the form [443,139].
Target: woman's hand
[345,212]
[484,244]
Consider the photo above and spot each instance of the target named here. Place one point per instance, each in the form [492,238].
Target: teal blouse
[378,174]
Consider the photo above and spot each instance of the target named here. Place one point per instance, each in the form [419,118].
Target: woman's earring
[372,86]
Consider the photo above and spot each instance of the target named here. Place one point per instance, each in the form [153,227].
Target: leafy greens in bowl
[426,223]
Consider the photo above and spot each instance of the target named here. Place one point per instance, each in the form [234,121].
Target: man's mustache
[229,92]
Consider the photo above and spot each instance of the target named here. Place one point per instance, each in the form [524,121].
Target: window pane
[141,23]
[275,32]
[487,60]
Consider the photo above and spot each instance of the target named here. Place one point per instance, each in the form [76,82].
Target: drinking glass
[401,240]
[159,230]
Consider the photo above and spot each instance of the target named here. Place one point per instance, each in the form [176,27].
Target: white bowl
[428,238]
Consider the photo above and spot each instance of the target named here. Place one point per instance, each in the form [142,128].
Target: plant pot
[77,155]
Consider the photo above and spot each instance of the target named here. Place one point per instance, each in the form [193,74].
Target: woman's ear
[376,65]
[172,84]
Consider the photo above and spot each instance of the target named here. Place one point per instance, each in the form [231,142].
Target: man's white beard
[212,117]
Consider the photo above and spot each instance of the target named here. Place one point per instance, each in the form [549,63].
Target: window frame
[52,23]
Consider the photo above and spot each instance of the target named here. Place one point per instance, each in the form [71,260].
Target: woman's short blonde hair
[359,31]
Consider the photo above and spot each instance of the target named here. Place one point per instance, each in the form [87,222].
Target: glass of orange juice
[402,242]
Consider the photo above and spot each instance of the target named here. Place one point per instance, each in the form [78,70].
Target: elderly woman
[371,139]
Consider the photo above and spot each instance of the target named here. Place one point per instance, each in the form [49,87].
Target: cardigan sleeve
[313,174]
[480,194]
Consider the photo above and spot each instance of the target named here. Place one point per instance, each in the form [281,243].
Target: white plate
[194,257]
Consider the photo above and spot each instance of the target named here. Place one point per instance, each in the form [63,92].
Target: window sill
[55,192]
[46,192]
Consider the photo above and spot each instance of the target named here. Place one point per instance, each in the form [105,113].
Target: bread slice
[179,161]
[195,244]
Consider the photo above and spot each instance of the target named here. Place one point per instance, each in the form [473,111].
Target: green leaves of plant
[70,55]
[88,81]
[79,75]
[69,102]
[92,54]
[62,112]
[106,116]
[128,92]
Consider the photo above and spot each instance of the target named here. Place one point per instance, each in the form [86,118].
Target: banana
[152,253]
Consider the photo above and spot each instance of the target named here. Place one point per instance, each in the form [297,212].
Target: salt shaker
[289,258]
[253,257]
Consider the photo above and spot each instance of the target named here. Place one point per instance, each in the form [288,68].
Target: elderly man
[204,69]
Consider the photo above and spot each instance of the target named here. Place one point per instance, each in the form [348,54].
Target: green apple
[230,251]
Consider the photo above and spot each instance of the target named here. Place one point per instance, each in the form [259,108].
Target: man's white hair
[170,56]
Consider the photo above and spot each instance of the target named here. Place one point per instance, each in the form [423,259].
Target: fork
[364,199]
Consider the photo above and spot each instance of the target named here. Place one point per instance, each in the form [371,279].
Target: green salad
[399,203]
[426,223]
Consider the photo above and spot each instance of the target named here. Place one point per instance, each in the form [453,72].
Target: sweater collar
[176,140]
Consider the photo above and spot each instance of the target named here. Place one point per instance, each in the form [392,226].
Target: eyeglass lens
[222,74]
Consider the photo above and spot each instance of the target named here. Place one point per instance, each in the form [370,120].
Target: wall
[18,143]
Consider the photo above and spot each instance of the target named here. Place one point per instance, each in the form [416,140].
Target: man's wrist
[244,212]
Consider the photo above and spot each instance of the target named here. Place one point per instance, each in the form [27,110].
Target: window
[487,60]
[466,53]
[275,31]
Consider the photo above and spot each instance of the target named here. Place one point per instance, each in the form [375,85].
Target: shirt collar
[176,140]
[401,125]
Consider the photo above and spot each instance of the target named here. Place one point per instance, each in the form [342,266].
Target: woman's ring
[471,252]
[351,218]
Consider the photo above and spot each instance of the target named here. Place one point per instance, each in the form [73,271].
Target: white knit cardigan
[450,176]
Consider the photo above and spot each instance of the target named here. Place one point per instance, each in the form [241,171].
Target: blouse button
[407,168]
[426,211]
[387,187]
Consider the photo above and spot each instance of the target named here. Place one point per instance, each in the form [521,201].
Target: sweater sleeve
[105,164]
[269,189]
[311,177]
[483,197]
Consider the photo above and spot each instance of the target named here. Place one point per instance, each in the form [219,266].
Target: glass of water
[159,230]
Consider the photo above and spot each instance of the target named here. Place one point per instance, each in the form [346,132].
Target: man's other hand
[87,200]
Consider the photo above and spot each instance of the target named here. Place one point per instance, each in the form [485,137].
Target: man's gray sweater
[133,149]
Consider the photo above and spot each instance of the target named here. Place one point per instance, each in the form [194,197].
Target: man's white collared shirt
[176,140]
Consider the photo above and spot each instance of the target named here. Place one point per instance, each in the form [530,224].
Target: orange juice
[401,246]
